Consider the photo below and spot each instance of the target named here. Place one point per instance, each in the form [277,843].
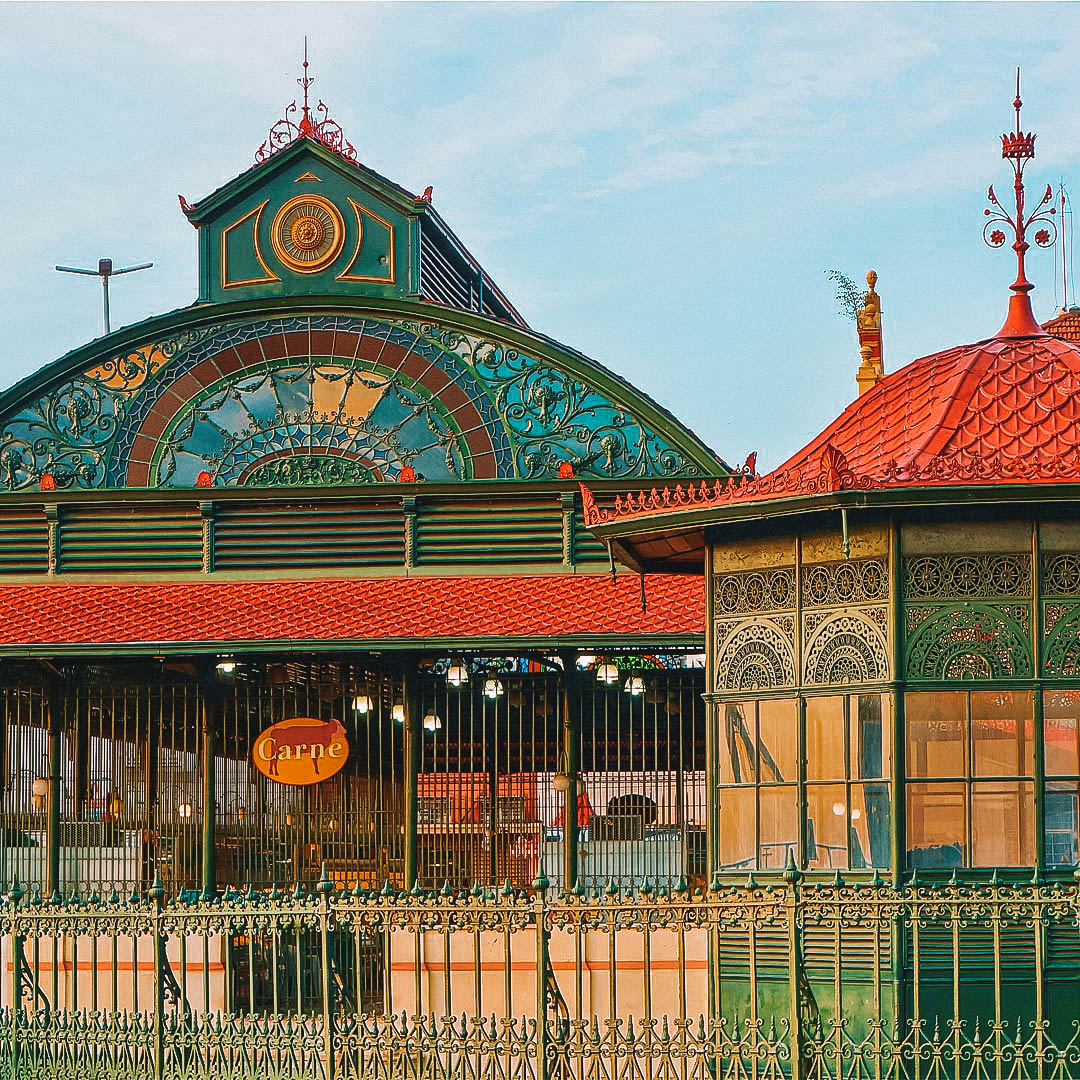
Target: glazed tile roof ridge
[512,606]
[1002,410]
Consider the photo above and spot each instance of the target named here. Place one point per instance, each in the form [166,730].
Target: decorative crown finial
[318,127]
[1018,149]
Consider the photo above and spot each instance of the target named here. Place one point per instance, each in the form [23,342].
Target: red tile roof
[999,411]
[376,610]
[1065,325]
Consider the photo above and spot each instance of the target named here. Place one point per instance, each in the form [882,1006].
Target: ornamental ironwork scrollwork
[555,416]
[755,655]
[847,647]
[855,581]
[1061,649]
[972,642]
[934,577]
[1061,574]
[753,591]
[519,415]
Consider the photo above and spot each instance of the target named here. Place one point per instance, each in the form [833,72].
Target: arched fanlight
[362,704]
[457,674]
[493,688]
[634,686]
[607,673]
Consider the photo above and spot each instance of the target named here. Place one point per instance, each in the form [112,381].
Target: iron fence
[837,980]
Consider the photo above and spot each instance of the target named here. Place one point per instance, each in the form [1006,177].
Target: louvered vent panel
[441,281]
[586,547]
[819,948]
[502,533]
[308,536]
[1017,945]
[1063,945]
[130,538]
[24,540]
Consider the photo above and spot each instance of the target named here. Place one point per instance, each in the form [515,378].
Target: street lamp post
[105,271]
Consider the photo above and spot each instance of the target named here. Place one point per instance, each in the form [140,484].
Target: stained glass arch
[340,394]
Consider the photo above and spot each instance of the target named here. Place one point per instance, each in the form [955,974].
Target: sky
[661,186]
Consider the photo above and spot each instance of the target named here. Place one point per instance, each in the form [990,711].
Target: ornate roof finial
[319,127]
[1018,148]
[305,81]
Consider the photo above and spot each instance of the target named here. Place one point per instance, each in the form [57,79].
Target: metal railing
[838,980]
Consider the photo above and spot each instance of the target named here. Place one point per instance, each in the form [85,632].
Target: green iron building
[334,744]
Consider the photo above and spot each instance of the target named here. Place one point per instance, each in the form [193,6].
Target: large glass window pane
[778,739]
[825,738]
[1002,824]
[826,827]
[1062,816]
[1061,708]
[779,826]
[870,833]
[871,736]
[936,734]
[738,820]
[937,829]
[1002,733]
[737,753]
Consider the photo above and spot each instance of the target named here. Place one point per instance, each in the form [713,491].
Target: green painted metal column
[208,699]
[1040,734]
[413,703]
[571,734]
[898,797]
[56,697]
[899,750]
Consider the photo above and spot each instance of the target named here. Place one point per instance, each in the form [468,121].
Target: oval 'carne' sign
[301,751]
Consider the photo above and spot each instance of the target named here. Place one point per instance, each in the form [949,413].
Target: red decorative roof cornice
[513,607]
[1000,411]
[318,127]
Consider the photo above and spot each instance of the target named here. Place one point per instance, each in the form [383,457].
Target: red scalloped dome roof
[998,410]
[1002,410]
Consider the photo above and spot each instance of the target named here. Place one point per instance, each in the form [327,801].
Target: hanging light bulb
[457,674]
[634,686]
[493,688]
[362,704]
[432,722]
[226,665]
[397,714]
[607,673]
[40,793]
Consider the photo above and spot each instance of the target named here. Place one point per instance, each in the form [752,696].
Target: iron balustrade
[824,979]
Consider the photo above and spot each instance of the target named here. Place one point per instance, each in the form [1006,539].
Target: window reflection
[848,758]
[1061,725]
[978,748]
[758,805]
[847,741]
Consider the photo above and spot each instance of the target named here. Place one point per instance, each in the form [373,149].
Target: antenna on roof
[104,271]
[1065,228]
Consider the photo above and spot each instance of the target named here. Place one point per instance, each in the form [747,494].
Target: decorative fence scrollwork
[831,979]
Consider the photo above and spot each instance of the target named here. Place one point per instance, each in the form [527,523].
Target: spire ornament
[311,124]
[1018,148]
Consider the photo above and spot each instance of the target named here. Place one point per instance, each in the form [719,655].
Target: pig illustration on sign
[303,750]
